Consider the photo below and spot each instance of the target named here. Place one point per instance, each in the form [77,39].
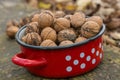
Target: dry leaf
[82,4]
[59,6]
[44,5]
[115,35]
[108,40]
[70,6]
[103,12]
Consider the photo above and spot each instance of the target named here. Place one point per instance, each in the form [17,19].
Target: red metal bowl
[61,61]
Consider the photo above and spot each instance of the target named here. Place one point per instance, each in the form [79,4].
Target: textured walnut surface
[78,19]
[90,29]
[65,43]
[48,43]
[96,19]
[32,27]
[61,24]
[46,19]
[80,39]
[67,34]
[32,38]
[59,14]
[49,33]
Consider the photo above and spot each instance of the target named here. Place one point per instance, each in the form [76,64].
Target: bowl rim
[58,47]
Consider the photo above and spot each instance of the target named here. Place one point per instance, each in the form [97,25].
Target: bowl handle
[19,59]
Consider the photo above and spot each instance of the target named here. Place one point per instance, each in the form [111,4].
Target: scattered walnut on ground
[11,31]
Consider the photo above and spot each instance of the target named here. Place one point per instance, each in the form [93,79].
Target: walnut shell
[96,19]
[114,23]
[48,43]
[35,18]
[32,27]
[66,42]
[80,39]
[46,19]
[32,38]
[67,34]
[90,29]
[12,23]
[11,31]
[68,17]
[48,33]
[24,21]
[78,19]
[59,14]
[61,24]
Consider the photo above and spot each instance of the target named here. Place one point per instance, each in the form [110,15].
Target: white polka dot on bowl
[100,55]
[93,50]
[69,69]
[100,45]
[68,58]
[82,54]
[93,61]
[97,53]
[83,65]
[88,58]
[76,62]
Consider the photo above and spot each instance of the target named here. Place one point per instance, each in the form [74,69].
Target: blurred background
[108,10]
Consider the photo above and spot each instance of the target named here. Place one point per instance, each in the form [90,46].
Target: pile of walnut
[58,29]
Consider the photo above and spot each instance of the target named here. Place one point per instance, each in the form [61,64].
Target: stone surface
[108,69]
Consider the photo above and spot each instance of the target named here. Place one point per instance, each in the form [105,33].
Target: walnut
[11,31]
[66,42]
[46,19]
[80,39]
[113,24]
[32,27]
[12,23]
[24,21]
[90,29]
[32,38]
[67,34]
[78,31]
[61,24]
[48,43]
[59,14]
[48,33]
[78,19]
[96,19]
[35,18]
[68,17]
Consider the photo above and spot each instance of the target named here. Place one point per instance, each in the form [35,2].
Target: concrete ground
[109,68]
